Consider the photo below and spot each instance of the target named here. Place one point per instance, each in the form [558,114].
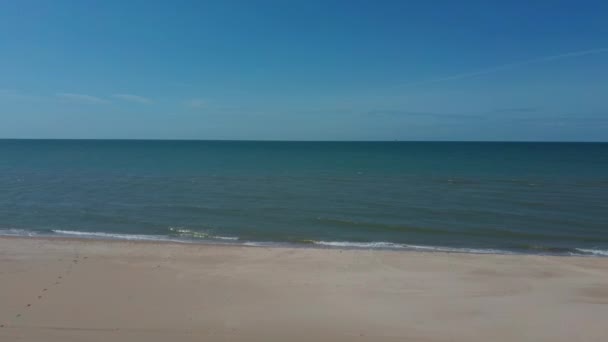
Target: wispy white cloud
[81,98]
[420,114]
[133,98]
[508,66]
[196,103]
[517,110]
[180,84]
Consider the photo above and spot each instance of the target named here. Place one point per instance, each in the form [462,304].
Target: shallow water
[453,196]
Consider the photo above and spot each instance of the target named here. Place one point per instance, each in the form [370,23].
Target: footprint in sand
[44,290]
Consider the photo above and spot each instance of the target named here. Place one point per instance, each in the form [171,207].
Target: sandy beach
[92,290]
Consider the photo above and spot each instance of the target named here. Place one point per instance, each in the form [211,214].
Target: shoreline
[58,289]
[339,245]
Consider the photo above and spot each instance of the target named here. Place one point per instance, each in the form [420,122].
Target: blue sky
[287,70]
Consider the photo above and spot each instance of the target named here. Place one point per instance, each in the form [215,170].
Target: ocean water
[547,198]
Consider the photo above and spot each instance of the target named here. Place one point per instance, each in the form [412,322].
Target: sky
[305,70]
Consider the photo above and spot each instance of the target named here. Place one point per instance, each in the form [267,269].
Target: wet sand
[90,290]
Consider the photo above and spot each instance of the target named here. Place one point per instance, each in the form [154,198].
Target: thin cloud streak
[197,103]
[81,98]
[406,113]
[507,66]
[517,110]
[133,98]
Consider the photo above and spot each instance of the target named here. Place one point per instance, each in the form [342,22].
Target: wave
[391,245]
[182,235]
[487,232]
[17,232]
[183,232]
[598,252]
[263,244]
[116,236]
[349,244]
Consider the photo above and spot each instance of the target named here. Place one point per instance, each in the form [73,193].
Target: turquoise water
[549,198]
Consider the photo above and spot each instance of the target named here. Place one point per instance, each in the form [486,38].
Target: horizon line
[310,141]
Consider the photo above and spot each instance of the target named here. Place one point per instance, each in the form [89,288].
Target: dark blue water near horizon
[548,198]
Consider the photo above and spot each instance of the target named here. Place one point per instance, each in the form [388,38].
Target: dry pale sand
[74,290]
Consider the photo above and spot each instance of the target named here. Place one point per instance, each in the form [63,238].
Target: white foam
[458,250]
[262,244]
[17,232]
[391,245]
[593,251]
[210,238]
[183,232]
[348,244]
[183,238]
[254,244]
[116,236]
[228,238]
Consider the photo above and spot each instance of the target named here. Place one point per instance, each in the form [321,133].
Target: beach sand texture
[92,290]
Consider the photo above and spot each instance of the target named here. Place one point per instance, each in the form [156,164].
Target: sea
[457,197]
